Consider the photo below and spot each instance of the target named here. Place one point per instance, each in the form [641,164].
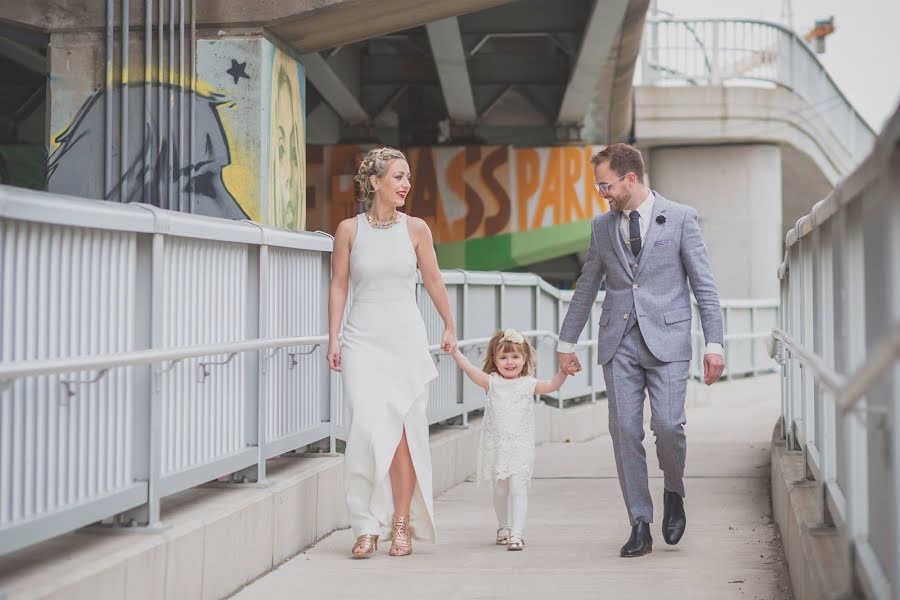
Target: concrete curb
[817,554]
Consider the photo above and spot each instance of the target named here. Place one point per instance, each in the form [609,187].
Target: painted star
[237,70]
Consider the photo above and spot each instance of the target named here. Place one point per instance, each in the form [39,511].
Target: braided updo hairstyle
[375,163]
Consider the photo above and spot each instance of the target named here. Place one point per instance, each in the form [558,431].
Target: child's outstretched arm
[478,377]
[545,386]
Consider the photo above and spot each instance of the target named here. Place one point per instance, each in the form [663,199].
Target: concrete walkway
[576,525]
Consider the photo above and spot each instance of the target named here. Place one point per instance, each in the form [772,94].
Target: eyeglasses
[603,188]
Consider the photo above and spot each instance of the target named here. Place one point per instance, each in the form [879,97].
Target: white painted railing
[142,317]
[839,341]
[747,325]
[735,51]
[146,351]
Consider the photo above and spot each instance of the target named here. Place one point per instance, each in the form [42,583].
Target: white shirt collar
[645,209]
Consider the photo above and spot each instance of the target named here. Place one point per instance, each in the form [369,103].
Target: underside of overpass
[499,111]
[524,73]
[480,78]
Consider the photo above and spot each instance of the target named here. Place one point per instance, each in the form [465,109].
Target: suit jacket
[673,254]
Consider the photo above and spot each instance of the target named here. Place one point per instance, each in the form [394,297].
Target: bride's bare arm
[337,290]
[431,278]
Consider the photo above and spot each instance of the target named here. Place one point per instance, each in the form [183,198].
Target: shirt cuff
[714,348]
[565,347]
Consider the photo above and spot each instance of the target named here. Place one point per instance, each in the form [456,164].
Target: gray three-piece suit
[644,337]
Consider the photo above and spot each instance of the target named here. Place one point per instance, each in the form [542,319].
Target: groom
[648,249]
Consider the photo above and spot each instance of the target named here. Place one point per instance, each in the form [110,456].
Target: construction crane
[822,29]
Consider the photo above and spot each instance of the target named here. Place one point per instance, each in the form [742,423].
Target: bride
[384,358]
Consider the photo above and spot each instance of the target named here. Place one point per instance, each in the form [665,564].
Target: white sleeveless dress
[386,368]
[506,445]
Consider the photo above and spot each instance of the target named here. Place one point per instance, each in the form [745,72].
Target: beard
[619,201]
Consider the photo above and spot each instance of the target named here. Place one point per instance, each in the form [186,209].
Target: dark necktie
[634,231]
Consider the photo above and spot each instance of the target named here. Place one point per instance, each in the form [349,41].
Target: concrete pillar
[737,193]
[226,139]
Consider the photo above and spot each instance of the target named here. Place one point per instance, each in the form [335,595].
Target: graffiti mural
[212,147]
[76,167]
[287,147]
[489,207]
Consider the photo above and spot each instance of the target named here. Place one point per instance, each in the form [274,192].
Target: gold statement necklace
[383,224]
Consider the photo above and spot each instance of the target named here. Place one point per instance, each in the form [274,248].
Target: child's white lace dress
[507,433]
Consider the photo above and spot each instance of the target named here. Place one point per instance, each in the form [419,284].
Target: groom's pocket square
[663,243]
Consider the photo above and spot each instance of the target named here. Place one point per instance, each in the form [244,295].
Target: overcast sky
[862,55]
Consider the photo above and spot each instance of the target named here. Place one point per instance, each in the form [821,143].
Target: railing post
[726,310]
[500,312]
[463,328]
[144,382]
[792,43]
[154,423]
[646,70]
[796,375]
[753,340]
[592,351]
[892,245]
[853,313]
[826,327]
[559,317]
[329,374]
[257,378]
[535,313]
[783,364]
[807,337]
[715,74]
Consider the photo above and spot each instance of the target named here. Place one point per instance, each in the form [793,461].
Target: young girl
[506,449]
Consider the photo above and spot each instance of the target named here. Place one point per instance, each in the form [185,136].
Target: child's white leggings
[512,492]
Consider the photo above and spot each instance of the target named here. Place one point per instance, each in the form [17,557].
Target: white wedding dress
[386,368]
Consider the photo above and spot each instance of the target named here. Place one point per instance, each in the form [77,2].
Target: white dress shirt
[645,210]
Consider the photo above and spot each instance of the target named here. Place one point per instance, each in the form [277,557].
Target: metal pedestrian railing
[145,351]
[838,343]
[747,325]
[126,366]
[741,51]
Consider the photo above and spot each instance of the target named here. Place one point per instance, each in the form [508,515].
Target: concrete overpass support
[737,191]
[208,124]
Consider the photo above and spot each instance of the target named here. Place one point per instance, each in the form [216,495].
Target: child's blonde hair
[509,340]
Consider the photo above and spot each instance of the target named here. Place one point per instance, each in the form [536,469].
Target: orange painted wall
[466,192]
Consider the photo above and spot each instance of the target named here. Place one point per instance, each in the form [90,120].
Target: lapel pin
[660,219]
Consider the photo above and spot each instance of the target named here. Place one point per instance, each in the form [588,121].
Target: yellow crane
[822,29]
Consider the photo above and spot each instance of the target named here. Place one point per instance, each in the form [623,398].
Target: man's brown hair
[622,159]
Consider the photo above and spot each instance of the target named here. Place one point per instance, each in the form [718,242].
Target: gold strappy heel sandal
[516,543]
[365,546]
[401,540]
[503,536]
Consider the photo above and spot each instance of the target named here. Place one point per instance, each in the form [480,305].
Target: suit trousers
[631,374]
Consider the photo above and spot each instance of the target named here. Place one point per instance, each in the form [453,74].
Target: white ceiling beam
[25,56]
[333,89]
[599,34]
[450,59]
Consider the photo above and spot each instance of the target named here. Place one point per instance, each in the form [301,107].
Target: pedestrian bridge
[168,426]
